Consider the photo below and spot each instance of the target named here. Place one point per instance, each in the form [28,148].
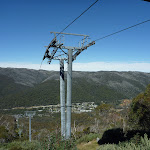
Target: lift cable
[78,17]
[72,23]
[68,26]
[122,30]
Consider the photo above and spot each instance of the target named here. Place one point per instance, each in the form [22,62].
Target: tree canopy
[139,115]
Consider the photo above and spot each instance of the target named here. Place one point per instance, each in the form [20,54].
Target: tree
[103,109]
[139,115]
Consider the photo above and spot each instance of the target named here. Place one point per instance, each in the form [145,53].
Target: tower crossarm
[70,34]
[82,49]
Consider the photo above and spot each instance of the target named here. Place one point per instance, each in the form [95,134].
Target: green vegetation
[51,142]
[91,145]
[103,108]
[86,90]
[139,116]
[43,94]
[54,142]
[9,87]
[21,145]
[87,138]
[23,87]
[3,134]
[118,127]
[144,145]
[48,93]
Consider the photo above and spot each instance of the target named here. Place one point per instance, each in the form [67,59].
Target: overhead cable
[68,26]
[74,20]
[78,17]
[122,30]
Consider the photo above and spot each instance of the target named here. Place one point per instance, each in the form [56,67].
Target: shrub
[139,116]
[25,145]
[115,136]
[87,138]
[86,130]
[136,139]
[54,142]
[144,145]
[4,136]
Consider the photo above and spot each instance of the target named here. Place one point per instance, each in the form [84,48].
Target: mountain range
[27,87]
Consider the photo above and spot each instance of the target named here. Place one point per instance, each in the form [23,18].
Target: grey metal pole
[62,99]
[69,94]
[30,128]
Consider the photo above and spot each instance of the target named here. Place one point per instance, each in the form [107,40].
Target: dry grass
[92,145]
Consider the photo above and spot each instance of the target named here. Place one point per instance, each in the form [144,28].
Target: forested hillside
[24,87]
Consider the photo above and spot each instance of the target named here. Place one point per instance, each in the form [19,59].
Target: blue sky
[25,27]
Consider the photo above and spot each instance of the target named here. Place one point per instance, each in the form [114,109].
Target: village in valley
[52,97]
[76,107]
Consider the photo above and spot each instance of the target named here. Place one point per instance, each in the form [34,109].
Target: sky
[25,27]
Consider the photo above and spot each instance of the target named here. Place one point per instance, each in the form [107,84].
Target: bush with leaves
[144,145]
[3,134]
[55,142]
[87,138]
[103,108]
[21,145]
[139,116]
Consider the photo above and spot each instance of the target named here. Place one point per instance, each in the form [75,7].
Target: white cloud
[92,66]
[112,66]
[30,66]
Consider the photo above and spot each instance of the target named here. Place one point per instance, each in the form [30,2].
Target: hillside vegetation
[25,87]
[117,128]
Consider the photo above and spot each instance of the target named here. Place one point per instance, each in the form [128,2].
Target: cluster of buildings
[76,107]
[83,107]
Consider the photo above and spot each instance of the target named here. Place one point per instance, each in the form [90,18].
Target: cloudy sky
[25,27]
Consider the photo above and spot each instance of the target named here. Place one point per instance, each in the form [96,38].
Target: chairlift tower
[17,116]
[30,114]
[17,119]
[68,54]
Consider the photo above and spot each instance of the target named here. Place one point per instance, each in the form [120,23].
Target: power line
[122,30]
[78,17]
[70,25]
[72,22]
